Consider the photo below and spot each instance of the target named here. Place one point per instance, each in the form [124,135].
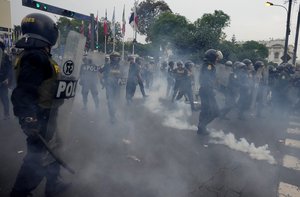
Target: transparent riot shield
[69,62]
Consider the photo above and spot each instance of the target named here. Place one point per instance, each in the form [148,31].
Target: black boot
[202,130]
[14,193]
[57,188]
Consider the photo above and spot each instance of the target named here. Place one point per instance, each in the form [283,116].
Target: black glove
[30,126]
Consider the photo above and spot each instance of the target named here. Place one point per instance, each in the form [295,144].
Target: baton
[59,160]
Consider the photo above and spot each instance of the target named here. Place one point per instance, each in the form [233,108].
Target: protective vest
[48,87]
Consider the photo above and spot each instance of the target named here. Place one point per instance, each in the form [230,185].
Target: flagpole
[133,42]
[105,44]
[105,30]
[97,32]
[123,32]
[114,30]
[123,48]
[134,26]
[114,44]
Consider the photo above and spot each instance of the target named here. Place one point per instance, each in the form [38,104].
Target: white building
[276,50]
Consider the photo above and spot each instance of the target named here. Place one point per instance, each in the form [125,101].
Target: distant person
[89,80]
[132,79]
[170,78]
[5,79]
[180,74]
[138,61]
[112,76]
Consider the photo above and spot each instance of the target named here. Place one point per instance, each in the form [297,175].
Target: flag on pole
[105,24]
[123,22]
[133,20]
[113,24]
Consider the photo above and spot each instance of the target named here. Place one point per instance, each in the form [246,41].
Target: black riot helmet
[247,62]
[242,66]
[38,31]
[258,64]
[171,64]
[139,60]
[289,68]
[213,55]
[189,64]
[228,63]
[115,57]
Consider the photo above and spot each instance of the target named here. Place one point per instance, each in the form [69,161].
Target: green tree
[209,29]
[229,50]
[65,25]
[169,28]
[148,11]
[252,50]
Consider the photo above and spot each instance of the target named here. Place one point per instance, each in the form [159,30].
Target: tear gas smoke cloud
[258,153]
[176,118]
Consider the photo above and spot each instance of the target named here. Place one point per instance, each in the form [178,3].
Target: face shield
[219,55]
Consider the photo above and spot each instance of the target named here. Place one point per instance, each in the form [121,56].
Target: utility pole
[296,38]
[285,60]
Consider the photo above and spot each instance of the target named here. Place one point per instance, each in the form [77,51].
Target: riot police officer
[112,77]
[209,107]
[228,88]
[280,87]
[32,101]
[138,61]
[179,73]
[164,69]
[186,86]
[244,90]
[5,79]
[170,78]
[89,81]
[260,87]
[132,79]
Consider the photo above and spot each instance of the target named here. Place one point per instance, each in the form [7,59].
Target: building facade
[276,51]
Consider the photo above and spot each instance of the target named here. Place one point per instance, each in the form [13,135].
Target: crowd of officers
[245,86]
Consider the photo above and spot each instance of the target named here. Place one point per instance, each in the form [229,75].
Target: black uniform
[32,100]
[112,77]
[170,79]
[132,81]
[209,107]
[140,78]
[89,81]
[5,81]
[180,75]
[244,92]
[32,97]
[281,86]
[230,92]
[186,88]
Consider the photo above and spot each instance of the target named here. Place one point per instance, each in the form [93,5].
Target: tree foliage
[167,27]
[148,11]
[209,29]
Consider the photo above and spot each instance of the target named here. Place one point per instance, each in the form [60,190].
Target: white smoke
[258,153]
[174,118]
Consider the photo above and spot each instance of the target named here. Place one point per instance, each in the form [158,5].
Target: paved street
[149,153]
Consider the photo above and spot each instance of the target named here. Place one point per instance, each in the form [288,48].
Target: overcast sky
[250,19]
